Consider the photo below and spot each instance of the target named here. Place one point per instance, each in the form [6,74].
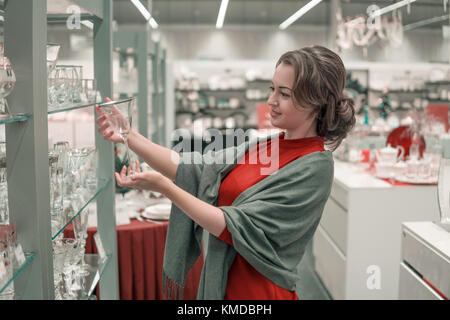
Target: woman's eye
[272,89]
[285,95]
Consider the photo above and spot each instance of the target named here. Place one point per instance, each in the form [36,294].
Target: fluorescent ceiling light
[380,12]
[138,4]
[299,13]
[392,7]
[222,12]
[143,10]
[153,23]
[425,22]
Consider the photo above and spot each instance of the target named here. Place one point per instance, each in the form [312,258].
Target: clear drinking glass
[121,121]
[63,267]
[80,230]
[7,83]
[444,183]
[52,90]
[8,238]
[414,151]
[75,74]
[4,218]
[62,85]
[52,56]
[70,270]
[89,90]
[59,256]
[436,155]
[62,149]
[78,161]
[55,193]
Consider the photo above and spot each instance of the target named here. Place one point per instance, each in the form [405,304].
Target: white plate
[159,211]
[379,176]
[416,180]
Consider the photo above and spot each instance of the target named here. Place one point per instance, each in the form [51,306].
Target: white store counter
[357,246]
[425,265]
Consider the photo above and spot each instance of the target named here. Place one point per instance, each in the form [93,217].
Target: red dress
[244,281]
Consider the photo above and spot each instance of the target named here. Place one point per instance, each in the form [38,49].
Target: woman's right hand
[104,123]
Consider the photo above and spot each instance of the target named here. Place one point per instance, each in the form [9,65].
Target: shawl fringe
[171,289]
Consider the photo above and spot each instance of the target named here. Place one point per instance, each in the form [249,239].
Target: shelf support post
[162,99]
[109,282]
[155,94]
[142,67]
[27,145]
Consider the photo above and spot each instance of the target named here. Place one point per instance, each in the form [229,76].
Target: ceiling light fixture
[153,23]
[222,12]
[392,7]
[299,13]
[143,10]
[359,20]
[379,12]
[425,22]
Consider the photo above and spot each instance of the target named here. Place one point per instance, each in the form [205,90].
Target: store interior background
[251,40]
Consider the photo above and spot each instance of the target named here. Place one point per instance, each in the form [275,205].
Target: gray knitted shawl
[270,223]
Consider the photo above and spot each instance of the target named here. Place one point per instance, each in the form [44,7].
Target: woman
[259,221]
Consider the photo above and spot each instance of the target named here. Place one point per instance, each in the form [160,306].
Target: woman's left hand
[153,181]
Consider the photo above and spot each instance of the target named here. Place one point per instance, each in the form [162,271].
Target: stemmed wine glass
[7,82]
[52,56]
[121,121]
[80,223]
[78,158]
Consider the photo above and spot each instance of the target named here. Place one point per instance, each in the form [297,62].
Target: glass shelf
[103,185]
[14,118]
[74,107]
[62,17]
[91,104]
[96,268]
[87,8]
[18,269]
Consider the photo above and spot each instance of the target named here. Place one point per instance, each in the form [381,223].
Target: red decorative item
[8,236]
[403,136]
[440,112]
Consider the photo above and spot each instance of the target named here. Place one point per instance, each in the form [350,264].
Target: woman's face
[285,112]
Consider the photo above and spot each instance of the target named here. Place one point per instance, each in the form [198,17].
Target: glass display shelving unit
[150,62]
[159,103]
[25,39]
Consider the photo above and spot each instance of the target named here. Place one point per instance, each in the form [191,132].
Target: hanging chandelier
[365,30]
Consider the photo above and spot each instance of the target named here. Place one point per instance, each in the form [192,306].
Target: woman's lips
[274,114]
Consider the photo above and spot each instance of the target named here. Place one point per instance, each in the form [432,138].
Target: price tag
[99,244]
[20,256]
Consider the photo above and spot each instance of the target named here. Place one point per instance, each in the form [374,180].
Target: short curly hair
[320,82]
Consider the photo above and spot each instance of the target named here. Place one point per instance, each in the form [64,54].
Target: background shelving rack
[136,43]
[151,79]
[25,39]
[159,103]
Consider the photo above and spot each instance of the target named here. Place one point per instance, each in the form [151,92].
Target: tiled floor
[310,286]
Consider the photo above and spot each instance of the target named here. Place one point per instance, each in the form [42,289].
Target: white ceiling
[262,12]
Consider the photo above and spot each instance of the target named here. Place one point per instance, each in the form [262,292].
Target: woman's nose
[272,101]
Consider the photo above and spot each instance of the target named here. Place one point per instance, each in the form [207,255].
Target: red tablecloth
[140,254]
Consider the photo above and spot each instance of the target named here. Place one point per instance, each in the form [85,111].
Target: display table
[140,254]
[357,245]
